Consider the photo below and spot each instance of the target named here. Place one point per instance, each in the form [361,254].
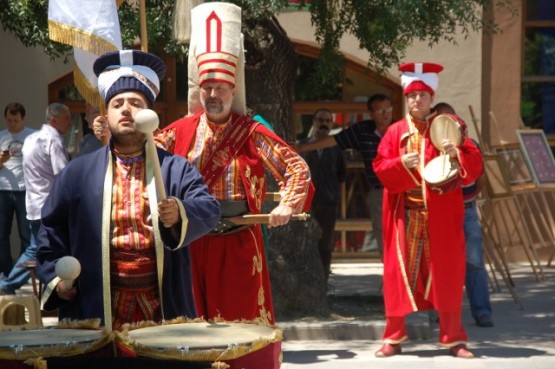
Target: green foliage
[383,27]
[159,15]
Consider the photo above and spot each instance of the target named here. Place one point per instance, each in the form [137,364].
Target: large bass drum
[239,345]
[18,348]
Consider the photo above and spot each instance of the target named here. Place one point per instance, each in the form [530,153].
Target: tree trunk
[270,73]
[298,284]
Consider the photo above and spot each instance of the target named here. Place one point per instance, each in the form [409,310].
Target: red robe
[445,226]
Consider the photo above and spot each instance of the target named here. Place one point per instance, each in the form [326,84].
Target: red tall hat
[420,77]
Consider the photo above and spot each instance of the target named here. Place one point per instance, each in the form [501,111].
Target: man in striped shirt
[364,136]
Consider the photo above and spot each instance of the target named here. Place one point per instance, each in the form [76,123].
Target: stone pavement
[521,339]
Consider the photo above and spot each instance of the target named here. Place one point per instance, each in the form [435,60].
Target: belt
[230,208]
[468,205]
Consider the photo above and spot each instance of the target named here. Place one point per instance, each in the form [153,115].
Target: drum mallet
[68,269]
[146,121]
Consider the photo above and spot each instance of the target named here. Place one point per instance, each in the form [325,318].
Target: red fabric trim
[418,86]
[216,70]
[426,67]
[217,60]
[211,17]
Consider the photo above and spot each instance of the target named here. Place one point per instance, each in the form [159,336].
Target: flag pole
[142,16]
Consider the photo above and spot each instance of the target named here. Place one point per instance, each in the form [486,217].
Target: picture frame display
[538,156]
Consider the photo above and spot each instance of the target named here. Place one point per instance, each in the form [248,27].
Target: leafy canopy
[385,28]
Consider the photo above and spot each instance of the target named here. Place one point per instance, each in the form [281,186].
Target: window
[538,81]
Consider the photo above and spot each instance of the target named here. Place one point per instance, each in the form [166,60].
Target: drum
[18,346]
[442,174]
[239,345]
[447,126]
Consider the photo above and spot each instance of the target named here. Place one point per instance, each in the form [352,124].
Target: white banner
[92,28]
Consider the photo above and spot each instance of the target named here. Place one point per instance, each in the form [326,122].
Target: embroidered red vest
[251,168]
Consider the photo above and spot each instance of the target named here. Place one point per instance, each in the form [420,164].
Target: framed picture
[497,181]
[515,165]
[538,156]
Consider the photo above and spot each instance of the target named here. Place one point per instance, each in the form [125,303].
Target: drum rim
[452,120]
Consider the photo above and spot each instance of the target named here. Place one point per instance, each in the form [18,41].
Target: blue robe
[72,224]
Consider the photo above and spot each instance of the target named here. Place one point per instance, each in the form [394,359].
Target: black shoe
[484,321]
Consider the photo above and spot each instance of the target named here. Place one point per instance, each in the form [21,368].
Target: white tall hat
[216,51]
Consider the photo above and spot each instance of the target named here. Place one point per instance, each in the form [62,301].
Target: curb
[418,328]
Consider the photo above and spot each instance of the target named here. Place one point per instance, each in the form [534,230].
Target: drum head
[440,170]
[201,335]
[446,126]
[25,344]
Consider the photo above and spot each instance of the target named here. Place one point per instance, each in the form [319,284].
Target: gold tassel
[220,365]
[86,89]
[78,38]
[182,19]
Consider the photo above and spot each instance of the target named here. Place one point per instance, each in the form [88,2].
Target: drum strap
[418,139]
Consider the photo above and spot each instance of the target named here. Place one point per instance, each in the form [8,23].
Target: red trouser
[451,331]
[230,277]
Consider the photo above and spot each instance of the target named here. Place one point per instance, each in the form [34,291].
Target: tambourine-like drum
[442,174]
[447,126]
[17,347]
[239,345]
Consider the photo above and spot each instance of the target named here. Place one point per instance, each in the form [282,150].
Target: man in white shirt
[44,156]
[12,185]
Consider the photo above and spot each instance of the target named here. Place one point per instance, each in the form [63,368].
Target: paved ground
[521,339]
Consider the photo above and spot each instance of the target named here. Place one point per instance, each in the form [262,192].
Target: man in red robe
[424,248]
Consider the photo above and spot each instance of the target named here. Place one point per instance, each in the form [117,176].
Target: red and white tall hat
[216,50]
[420,77]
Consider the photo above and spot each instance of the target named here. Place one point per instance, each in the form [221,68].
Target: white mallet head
[68,268]
[146,121]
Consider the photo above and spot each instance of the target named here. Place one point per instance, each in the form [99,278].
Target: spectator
[328,170]
[44,156]
[12,186]
[365,137]
[89,142]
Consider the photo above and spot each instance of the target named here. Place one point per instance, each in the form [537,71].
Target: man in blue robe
[103,210]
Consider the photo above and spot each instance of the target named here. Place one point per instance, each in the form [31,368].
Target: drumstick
[146,121]
[445,134]
[262,218]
